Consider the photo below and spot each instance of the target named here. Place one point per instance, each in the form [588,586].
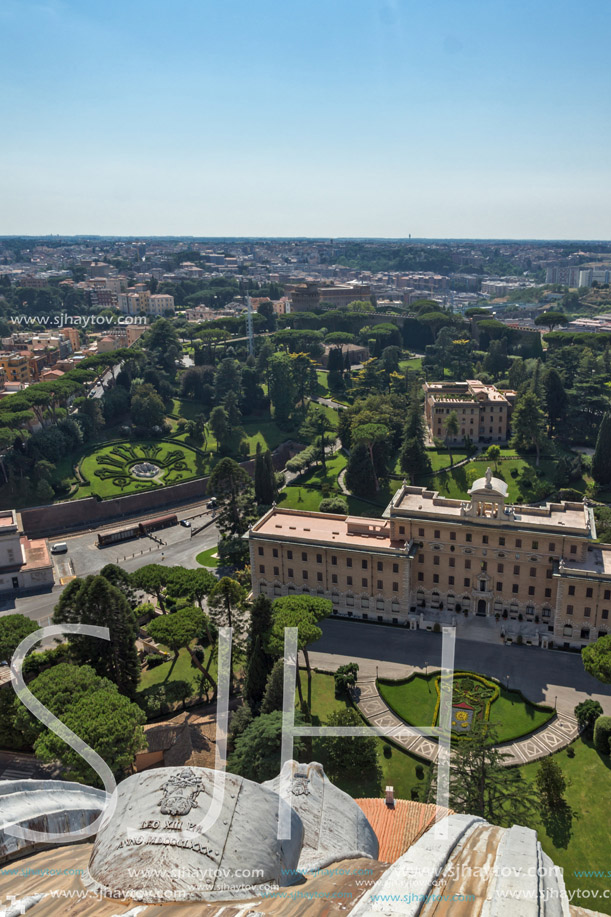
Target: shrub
[602,734]
[345,678]
[586,713]
[387,751]
[420,772]
[336,505]
[154,660]
[570,752]
[437,627]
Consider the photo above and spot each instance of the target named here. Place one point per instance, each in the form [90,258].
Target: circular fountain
[145,470]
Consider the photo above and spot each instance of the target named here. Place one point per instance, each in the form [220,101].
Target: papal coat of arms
[180,793]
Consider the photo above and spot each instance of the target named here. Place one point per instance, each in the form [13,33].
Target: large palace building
[482,411]
[430,557]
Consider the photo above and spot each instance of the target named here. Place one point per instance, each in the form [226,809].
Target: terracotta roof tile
[399,827]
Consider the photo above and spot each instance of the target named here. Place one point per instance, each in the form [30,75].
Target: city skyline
[374,120]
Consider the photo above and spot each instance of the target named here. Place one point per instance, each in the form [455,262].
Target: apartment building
[160,304]
[429,554]
[15,366]
[483,411]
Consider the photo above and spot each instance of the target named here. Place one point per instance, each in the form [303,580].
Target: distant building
[482,411]
[568,275]
[309,296]
[160,304]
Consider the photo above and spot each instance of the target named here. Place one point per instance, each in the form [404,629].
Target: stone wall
[90,512]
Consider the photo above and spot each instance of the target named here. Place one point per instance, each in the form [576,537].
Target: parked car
[60,547]
[212,504]
[186,523]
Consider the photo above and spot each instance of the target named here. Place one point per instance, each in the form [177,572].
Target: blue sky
[339,118]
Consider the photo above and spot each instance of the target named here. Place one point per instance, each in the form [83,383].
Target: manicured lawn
[398,770]
[456,483]
[306,494]
[439,458]
[323,383]
[415,701]
[108,469]
[578,841]
[414,363]
[181,670]
[208,558]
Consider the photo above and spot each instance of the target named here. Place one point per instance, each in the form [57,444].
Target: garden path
[557,733]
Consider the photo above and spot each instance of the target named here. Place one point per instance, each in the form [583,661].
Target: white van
[60,547]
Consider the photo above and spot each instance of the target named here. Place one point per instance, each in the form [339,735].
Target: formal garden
[130,467]
[416,700]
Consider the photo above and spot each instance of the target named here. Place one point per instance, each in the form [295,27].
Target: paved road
[543,676]
[181,549]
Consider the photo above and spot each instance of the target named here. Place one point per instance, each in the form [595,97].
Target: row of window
[500,568]
[319,577]
[319,560]
[515,588]
[590,592]
[587,611]
[486,540]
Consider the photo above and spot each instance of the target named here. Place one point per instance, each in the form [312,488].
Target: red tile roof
[399,827]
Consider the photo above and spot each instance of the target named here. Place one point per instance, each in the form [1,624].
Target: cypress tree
[601,460]
[256,676]
[274,689]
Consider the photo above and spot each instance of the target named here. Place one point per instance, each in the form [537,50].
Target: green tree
[13,629]
[596,659]
[601,460]
[556,399]
[551,783]
[281,385]
[147,408]
[303,612]
[602,735]
[224,601]
[256,755]
[368,435]
[528,422]
[274,689]
[93,600]
[265,481]
[233,487]
[109,723]
[179,630]
[219,424]
[315,427]
[586,714]
[350,754]
[336,504]
[551,319]
[413,457]
[481,785]
[152,579]
[493,454]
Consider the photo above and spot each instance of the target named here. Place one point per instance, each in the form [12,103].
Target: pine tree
[556,399]
[551,783]
[480,784]
[271,491]
[94,600]
[601,460]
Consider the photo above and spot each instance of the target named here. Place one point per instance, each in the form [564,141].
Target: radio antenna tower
[249,327]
